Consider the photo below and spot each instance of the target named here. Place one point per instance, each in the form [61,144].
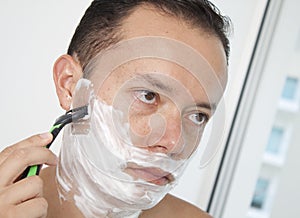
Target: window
[290,89]
[290,95]
[266,127]
[263,196]
[275,141]
[260,193]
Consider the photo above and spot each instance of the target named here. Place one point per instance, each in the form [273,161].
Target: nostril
[157,149]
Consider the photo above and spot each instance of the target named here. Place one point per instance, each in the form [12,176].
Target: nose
[166,131]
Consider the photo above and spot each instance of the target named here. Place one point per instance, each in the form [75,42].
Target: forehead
[159,75]
[148,21]
[164,45]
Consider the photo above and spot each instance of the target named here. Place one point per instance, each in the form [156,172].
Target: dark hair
[99,28]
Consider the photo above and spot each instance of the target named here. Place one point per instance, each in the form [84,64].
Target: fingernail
[45,135]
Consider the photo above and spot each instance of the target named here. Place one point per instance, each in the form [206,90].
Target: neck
[59,208]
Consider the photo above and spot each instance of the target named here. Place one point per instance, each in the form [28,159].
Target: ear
[66,72]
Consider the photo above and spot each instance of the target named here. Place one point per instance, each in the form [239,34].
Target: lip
[150,174]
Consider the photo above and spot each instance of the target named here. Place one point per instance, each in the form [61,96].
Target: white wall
[33,34]
[287,195]
[262,114]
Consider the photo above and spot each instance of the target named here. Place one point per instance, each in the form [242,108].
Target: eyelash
[141,95]
[204,118]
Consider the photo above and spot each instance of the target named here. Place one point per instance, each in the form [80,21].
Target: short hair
[99,28]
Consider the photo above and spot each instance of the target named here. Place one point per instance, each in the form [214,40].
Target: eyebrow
[160,85]
[208,106]
[155,82]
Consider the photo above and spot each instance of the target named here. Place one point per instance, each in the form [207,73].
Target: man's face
[166,105]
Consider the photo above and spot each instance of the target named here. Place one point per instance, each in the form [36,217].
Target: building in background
[282,144]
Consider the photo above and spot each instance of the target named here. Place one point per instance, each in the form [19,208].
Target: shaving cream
[92,173]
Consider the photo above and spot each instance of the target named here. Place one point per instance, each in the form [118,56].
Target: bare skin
[33,197]
[170,206]
[24,198]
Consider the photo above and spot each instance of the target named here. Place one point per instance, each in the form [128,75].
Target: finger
[17,162]
[34,208]
[26,189]
[36,140]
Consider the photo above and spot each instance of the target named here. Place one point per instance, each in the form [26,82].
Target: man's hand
[24,198]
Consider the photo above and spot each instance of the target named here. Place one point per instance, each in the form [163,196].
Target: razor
[70,116]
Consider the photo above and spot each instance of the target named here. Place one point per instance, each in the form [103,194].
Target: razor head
[82,106]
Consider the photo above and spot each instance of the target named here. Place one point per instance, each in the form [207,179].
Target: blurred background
[254,172]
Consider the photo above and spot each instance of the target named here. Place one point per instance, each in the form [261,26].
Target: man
[197,25]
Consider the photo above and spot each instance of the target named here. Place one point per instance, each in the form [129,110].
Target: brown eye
[147,97]
[198,118]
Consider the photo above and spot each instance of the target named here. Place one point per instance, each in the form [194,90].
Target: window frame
[239,150]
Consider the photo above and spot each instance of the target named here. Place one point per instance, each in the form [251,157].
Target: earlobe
[66,72]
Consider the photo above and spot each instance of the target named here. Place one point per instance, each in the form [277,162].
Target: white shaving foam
[91,169]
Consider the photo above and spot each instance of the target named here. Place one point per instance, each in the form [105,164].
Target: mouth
[150,174]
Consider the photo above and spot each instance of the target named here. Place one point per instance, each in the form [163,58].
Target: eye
[198,118]
[147,97]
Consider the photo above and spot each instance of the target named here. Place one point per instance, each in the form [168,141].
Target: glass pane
[290,89]
[260,193]
[275,140]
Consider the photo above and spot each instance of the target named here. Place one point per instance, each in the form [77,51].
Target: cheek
[192,136]
[139,123]
[106,93]
[109,90]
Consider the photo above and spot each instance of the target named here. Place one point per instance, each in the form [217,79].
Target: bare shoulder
[174,207]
